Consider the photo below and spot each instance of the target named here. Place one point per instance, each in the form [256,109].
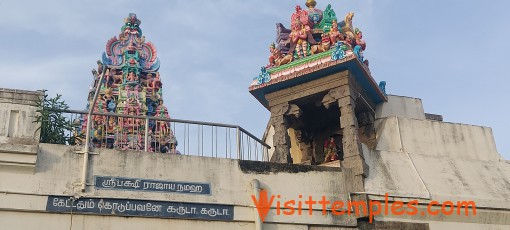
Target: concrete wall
[419,159]
[436,139]
[58,173]
[45,221]
[17,109]
[430,160]
[18,133]
[399,106]
[448,139]
[453,161]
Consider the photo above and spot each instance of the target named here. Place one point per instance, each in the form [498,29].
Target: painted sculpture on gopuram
[314,32]
[131,86]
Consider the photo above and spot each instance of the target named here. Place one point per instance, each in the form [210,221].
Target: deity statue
[109,100]
[132,76]
[300,15]
[359,39]
[282,60]
[163,127]
[330,150]
[156,82]
[349,39]
[323,46]
[359,45]
[108,94]
[98,132]
[147,81]
[274,54]
[276,58]
[110,128]
[335,35]
[298,36]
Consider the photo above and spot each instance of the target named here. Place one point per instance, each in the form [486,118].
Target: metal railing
[195,138]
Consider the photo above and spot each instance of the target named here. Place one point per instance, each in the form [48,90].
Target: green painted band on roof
[300,62]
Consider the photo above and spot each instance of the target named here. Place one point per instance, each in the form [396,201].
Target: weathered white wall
[453,160]
[459,141]
[430,160]
[19,135]
[58,173]
[440,225]
[24,103]
[45,221]
[415,158]
[400,106]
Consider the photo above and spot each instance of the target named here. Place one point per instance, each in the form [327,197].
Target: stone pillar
[353,152]
[281,140]
[345,96]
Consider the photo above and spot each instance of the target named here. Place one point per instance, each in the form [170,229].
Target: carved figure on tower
[298,38]
[323,46]
[359,44]
[335,35]
[274,54]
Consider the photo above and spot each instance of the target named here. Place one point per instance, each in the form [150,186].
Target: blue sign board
[140,208]
[146,185]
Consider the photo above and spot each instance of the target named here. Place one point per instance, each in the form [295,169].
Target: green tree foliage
[54,125]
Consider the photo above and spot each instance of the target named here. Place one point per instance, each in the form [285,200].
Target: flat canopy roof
[315,67]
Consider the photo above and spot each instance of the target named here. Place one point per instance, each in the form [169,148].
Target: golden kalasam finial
[311,3]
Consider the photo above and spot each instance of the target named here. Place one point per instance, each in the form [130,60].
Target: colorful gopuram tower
[319,90]
[131,86]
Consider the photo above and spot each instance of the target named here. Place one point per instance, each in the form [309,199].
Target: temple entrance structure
[320,92]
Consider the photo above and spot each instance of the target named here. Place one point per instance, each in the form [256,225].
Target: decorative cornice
[294,71]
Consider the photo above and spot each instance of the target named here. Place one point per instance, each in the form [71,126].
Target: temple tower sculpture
[131,86]
[320,92]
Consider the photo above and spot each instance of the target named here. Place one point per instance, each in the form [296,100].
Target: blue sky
[451,54]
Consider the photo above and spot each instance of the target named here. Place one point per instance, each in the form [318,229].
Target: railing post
[238,141]
[87,135]
[146,147]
